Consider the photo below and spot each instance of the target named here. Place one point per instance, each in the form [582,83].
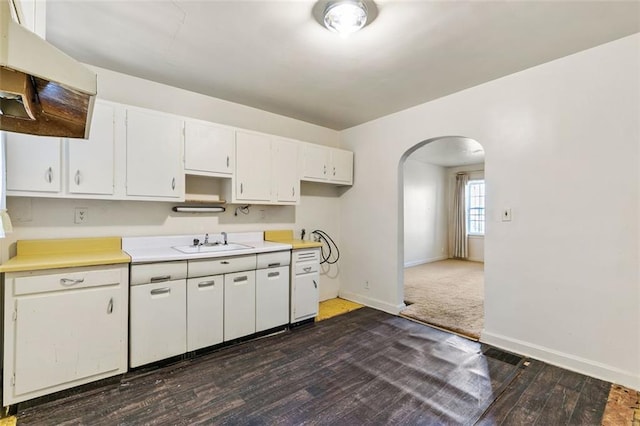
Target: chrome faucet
[224,236]
[206,239]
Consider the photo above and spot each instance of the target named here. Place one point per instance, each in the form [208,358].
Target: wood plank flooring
[364,367]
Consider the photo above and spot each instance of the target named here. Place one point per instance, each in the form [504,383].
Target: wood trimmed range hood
[43,91]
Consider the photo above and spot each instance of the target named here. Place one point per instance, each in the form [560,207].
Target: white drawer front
[65,279]
[306,268]
[158,272]
[221,265]
[274,260]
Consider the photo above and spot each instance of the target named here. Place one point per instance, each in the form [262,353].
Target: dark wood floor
[364,367]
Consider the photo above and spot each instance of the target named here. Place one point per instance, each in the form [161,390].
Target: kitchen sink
[210,248]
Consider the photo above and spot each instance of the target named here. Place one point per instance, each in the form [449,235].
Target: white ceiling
[273,54]
[450,151]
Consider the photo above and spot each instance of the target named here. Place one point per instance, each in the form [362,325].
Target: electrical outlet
[81,215]
[506,215]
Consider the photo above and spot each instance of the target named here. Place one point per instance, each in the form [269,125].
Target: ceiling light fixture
[345,16]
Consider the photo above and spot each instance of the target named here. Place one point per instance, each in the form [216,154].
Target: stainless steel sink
[210,248]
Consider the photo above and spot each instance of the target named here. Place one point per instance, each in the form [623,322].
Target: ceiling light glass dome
[345,17]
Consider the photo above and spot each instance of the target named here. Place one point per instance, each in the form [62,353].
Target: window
[475,207]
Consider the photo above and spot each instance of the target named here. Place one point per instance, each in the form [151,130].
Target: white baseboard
[564,360]
[373,303]
[423,261]
[476,259]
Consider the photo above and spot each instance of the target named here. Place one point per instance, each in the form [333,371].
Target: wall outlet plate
[81,215]
[506,215]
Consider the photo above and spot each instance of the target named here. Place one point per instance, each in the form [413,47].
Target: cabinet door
[91,167]
[287,177]
[66,336]
[305,296]
[341,166]
[239,304]
[205,313]
[315,162]
[33,163]
[158,321]
[272,297]
[253,167]
[154,155]
[208,148]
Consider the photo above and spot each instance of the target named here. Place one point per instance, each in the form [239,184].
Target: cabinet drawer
[306,268]
[158,272]
[274,260]
[65,279]
[221,265]
[306,255]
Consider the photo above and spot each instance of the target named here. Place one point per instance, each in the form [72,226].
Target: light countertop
[161,249]
[34,255]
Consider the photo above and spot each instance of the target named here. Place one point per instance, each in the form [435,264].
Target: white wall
[475,243]
[562,279]
[36,218]
[425,213]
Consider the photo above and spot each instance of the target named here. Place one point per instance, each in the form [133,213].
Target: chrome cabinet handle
[273,274]
[110,306]
[77,178]
[315,284]
[204,284]
[307,269]
[160,278]
[241,188]
[163,290]
[334,171]
[227,161]
[49,175]
[173,183]
[273,265]
[68,282]
[240,279]
[293,191]
[224,262]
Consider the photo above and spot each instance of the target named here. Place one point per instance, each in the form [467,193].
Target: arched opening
[441,232]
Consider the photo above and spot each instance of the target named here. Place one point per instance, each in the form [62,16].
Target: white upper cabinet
[341,166]
[91,162]
[286,174]
[208,149]
[325,164]
[253,168]
[33,164]
[155,169]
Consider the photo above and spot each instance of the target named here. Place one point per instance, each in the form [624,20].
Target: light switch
[506,215]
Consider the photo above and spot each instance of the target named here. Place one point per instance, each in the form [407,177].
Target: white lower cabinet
[205,307]
[158,321]
[305,296]
[63,328]
[272,290]
[239,304]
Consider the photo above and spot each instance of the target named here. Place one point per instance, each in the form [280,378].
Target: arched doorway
[442,214]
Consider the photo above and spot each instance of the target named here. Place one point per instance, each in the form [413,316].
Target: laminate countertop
[286,237]
[32,255]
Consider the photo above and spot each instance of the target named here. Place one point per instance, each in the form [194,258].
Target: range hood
[43,91]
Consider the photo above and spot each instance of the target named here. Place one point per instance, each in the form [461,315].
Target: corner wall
[562,279]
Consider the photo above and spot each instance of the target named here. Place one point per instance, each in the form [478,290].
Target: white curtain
[460,249]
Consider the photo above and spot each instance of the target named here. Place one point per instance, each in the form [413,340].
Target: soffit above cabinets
[276,57]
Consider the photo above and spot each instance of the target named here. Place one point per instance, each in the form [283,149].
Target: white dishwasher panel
[205,311]
[158,321]
[239,304]
[272,297]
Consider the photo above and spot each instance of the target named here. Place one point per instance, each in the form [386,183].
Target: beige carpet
[448,294]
